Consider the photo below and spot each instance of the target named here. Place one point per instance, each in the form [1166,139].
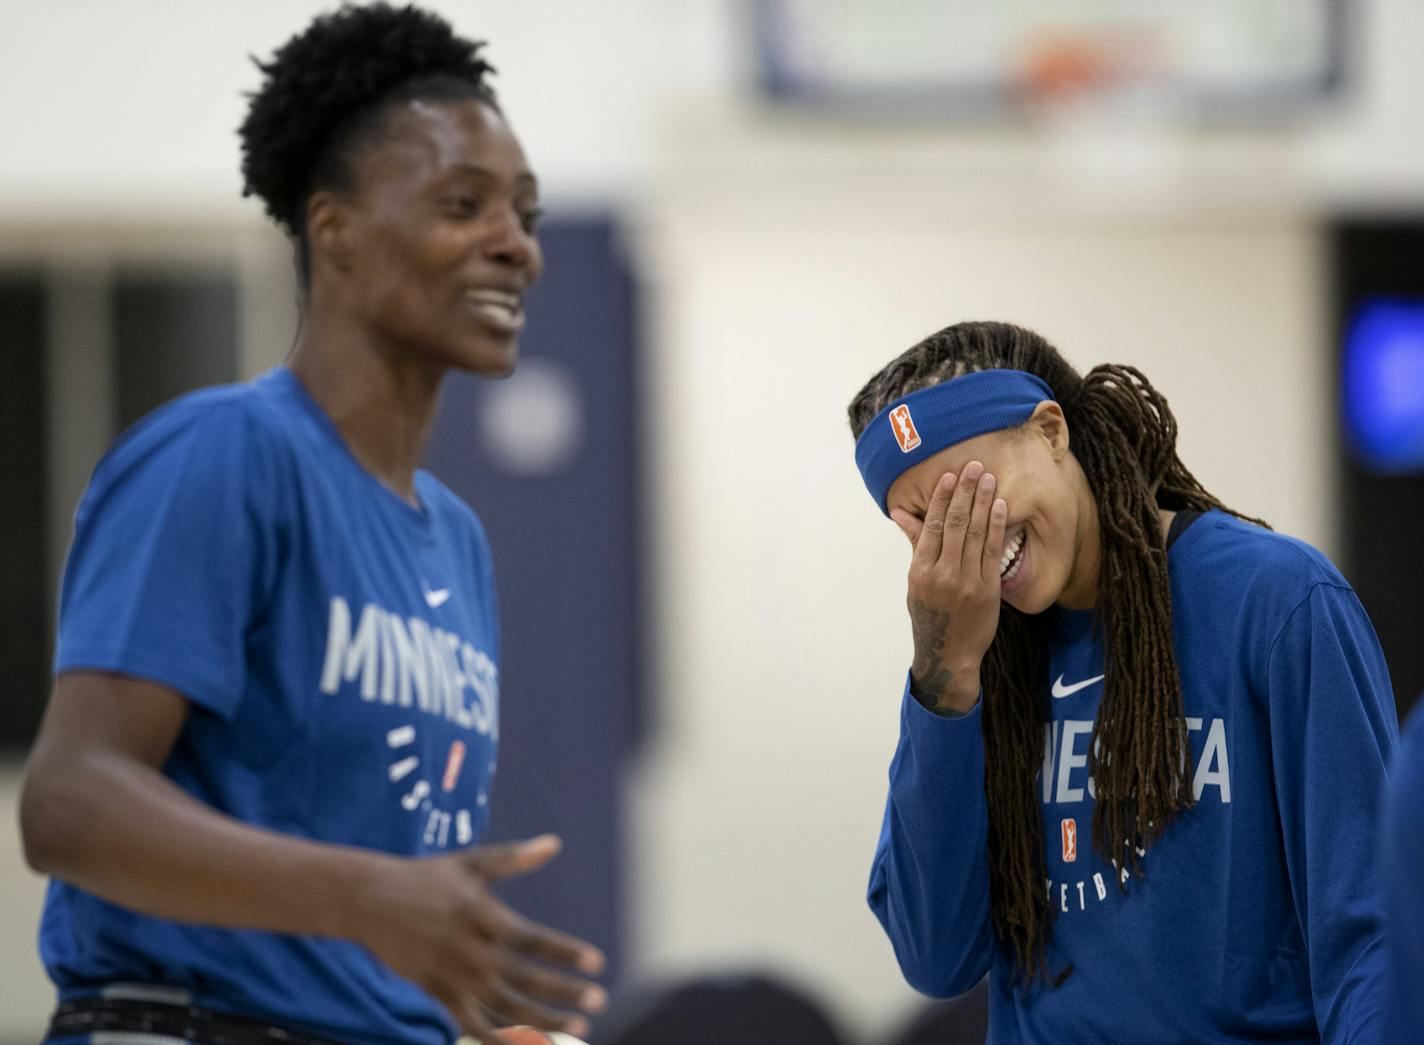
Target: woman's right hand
[954,586]
[435,921]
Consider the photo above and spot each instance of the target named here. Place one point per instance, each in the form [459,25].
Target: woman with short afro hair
[1142,736]
[266,765]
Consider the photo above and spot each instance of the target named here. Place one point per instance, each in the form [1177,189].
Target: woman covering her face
[1143,736]
[266,767]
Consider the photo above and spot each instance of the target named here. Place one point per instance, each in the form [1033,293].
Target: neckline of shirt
[418,515]
[1079,624]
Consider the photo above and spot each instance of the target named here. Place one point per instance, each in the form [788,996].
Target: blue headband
[923,423]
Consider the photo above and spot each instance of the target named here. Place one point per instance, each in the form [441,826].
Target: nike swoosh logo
[436,599]
[1060,691]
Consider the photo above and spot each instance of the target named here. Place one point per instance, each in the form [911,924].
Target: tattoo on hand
[930,677]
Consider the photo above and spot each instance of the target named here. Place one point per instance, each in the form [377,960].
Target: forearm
[929,884]
[123,831]
[938,927]
[941,681]
[1333,730]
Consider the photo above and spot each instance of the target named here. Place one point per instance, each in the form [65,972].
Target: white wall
[785,259]
[132,107]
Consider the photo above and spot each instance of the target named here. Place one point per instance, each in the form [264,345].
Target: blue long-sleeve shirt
[1402,863]
[1256,917]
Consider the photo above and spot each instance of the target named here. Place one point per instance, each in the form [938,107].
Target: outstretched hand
[436,921]
[954,586]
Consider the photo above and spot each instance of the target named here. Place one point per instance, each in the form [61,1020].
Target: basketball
[532,1036]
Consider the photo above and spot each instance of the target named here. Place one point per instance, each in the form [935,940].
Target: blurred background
[754,204]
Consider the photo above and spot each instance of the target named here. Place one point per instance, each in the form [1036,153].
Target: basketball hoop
[1104,102]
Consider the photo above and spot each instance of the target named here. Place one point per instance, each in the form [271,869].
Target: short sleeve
[485,564]
[173,554]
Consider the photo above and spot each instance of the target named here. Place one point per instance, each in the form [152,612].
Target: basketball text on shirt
[1061,785]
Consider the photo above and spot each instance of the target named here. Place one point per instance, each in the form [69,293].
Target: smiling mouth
[502,310]
[1013,557]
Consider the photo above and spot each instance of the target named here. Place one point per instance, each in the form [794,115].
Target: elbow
[935,959]
[942,965]
[928,981]
[51,819]
[940,980]
[36,839]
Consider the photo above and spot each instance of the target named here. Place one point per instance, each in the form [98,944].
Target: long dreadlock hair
[1124,436]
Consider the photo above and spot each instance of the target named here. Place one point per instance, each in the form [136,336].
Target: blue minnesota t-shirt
[338,647]
[1257,916]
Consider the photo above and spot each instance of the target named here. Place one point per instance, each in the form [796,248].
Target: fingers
[994,543]
[517,991]
[930,538]
[964,525]
[909,525]
[496,986]
[957,514]
[515,1008]
[497,962]
[548,945]
[566,992]
[976,531]
[472,1019]
[513,858]
[460,987]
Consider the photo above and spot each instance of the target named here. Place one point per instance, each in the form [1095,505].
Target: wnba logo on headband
[904,425]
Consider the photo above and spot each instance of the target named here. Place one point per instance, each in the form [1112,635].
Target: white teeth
[492,296]
[502,308]
[501,316]
[1010,553]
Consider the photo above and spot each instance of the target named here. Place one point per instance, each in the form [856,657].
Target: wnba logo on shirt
[1069,828]
[453,763]
[904,427]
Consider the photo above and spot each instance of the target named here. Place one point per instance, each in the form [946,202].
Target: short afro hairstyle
[326,90]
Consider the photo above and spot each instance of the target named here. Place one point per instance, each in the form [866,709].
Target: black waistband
[183,1022]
